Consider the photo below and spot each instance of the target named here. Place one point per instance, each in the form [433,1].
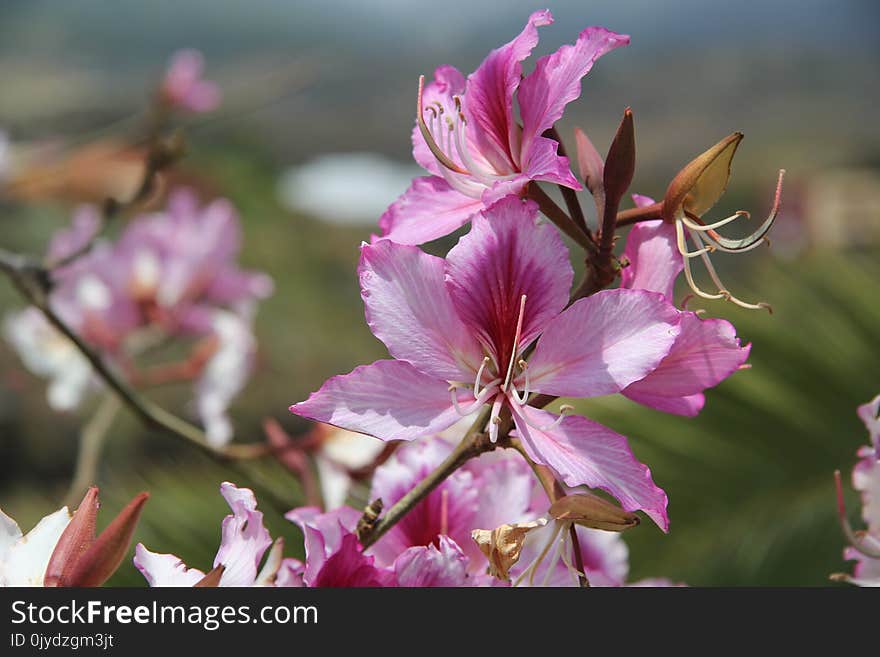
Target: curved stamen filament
[479,378]
[682,244]
[757,237]
[693,222]
[479,400]
[722,289]
[442,158]
[532,568]
[522,400]
[495,418]
[458,131]
[516,338]
[572,570]
[688,274]
[557,553]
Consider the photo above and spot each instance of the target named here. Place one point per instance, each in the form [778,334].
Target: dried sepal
[699,185]
[503,545]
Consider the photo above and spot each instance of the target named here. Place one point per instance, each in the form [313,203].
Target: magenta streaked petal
[705,353]
[409,309]
[688,406]
[429,209]
[490,91]
[583,452]
[603,343]
[654,260]
[433,566]
[507,254]
[389,399]
[556,81]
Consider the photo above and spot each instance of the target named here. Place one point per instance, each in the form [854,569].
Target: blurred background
[312,141]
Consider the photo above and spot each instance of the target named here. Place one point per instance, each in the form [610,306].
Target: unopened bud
[593,512]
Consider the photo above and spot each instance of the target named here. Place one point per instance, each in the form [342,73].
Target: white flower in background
[340,453]
[24,557]
[225,374]
[48,354]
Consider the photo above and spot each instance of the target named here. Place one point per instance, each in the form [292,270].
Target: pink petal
[409,309]
[244,537]
[868,413]
[603,343]
[556,81]
[547,165]
[447,83]
[430,566]
[508,253]
[688,406]
[429,209]
[489,98]
[866,480]
[389,399]
[705,353]
[583,452]
[654,260]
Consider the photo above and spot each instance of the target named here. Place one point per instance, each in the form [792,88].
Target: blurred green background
[749,480]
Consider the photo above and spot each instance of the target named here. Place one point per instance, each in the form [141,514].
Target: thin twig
[558,216]
[636,215]
[91,441]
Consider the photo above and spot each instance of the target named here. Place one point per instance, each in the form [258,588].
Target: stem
[91,441]
[150,414]
[558,216]
[636,215]
[474,443]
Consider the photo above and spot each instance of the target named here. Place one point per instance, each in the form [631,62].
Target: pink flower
[459,329]
[183,87]
[705,352]
[869,413]
[243,544]
[468,138]
[487,492]
[335,558]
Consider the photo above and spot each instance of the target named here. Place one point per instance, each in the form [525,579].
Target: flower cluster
[169,274]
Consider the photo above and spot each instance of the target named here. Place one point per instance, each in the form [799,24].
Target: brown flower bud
[594,512]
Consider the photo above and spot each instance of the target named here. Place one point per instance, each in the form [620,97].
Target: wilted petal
[654,260]
[705,353]
[432,566]
[389,399]
[556,80]
[490,90]
[603,343]
[429,209]
[509,253]
[164,569]
[409,308]
[583,452]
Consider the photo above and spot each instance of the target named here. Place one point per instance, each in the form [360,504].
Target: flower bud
[594,512]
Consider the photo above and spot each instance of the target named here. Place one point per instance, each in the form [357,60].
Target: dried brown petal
[503,545]
[594,512]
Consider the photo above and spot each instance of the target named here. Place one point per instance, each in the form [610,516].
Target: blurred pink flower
[469,139]
[705,352]
[183,87]
[244,542]
[458,329]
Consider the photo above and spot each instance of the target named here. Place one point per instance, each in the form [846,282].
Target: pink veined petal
[547,165]
[507,254]
[705,353]
[556,81]
[654,260]
[489,98]
[429,209]
[323,534]
[389,399]
[448,82]
[866,480]
[290,575]
[432,566]
[409,309]
[164,569]
[688,406]
[603,343]
[583,452]
[349,567]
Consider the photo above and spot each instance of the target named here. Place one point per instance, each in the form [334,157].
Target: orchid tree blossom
[335,558]
[864,546]
[486,492]
[706,351]
[183,87]
[469,140]
[244,542]
[462,332]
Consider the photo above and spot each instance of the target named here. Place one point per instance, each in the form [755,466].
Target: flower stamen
[516,338]
[435,149]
